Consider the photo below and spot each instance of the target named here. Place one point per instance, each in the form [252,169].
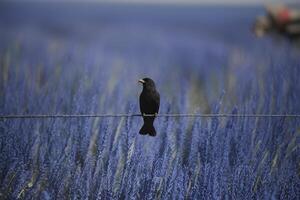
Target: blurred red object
[284,16]
[282,19]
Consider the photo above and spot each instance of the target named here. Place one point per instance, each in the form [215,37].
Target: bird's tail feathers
[148,129]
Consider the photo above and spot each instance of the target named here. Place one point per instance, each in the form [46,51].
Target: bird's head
[148,83]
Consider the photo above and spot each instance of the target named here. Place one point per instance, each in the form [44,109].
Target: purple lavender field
[83,59]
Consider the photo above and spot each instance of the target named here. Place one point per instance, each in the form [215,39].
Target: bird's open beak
[142,81]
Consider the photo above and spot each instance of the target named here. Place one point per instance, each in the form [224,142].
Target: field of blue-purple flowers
[79,59]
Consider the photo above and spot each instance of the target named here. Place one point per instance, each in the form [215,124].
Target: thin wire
[145,115]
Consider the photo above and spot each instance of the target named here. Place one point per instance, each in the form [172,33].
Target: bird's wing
[142,104]
[157,101]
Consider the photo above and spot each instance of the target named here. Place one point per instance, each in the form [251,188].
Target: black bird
[149,104]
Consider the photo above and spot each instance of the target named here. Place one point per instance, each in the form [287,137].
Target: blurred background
[167,41]
[74,57]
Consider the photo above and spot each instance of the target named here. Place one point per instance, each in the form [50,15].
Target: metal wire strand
[28,116]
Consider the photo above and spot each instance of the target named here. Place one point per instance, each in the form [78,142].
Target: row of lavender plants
[106,158]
